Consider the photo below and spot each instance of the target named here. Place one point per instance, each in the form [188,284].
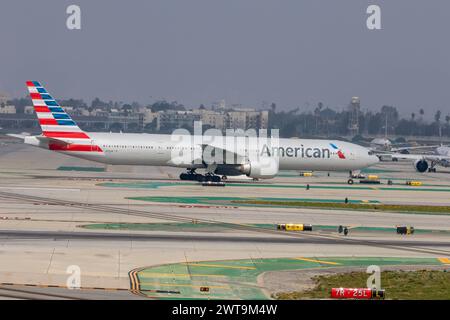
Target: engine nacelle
[265,169]
[421,165]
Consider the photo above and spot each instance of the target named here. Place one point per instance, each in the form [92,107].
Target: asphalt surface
[312,239]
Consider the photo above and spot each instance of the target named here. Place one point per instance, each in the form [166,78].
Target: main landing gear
[432,167]
[191,175]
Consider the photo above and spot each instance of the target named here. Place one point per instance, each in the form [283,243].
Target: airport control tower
[354,108]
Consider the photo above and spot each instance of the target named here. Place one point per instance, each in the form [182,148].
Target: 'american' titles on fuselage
[297,152]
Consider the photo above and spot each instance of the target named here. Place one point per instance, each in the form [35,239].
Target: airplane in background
[426,157]
[384,145]
[428,162]
[423,161]
[61,134]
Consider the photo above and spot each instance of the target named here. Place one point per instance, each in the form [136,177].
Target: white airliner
[60,133]
[428,161]
[385,146]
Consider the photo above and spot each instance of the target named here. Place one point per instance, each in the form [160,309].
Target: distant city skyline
[293,53]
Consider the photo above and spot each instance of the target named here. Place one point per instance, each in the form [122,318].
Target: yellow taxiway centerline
[318,261]
[181,285]
[168,275]
[218,266]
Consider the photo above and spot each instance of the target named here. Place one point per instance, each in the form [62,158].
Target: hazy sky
[294,53]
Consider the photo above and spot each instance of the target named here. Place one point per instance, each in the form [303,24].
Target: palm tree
[437,119]
[421,112]
[413,118]
[437,116]
[273,107]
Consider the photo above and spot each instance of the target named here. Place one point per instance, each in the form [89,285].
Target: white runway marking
[40,188]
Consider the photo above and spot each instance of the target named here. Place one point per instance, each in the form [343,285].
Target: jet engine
[266,168]
[421,165]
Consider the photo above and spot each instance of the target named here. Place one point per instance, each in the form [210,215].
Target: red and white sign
[351,293]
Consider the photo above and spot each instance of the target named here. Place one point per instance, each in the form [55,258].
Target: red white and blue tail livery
[57,124]
[54,121]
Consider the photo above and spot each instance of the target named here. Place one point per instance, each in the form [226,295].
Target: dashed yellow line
[444,260]
[218,266]
[318,261]
[181,285]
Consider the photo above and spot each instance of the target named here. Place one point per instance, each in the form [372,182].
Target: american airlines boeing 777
[61,134]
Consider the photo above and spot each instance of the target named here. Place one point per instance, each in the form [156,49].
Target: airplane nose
[373,159]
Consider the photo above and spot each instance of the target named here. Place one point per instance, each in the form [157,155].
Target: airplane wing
[211,154]
[408,156]
[400,149]
[18,136]
[428,157]
[52,140]
[230,156]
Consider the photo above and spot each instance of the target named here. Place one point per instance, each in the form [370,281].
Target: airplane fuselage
[158,150]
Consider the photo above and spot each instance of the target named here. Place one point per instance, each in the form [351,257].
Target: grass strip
[398,285]
[353,206]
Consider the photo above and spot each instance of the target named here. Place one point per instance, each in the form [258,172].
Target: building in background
[173,119]
[3,99]
[136,118]
[211,118]
[7,109]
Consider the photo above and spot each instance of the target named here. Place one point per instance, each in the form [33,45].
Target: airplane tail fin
[54,121]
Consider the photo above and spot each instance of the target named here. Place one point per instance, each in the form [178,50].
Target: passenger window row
[144,147]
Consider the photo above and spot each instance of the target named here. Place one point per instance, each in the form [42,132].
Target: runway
[310,239]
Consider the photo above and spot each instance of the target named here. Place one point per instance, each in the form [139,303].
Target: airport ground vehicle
[405,229]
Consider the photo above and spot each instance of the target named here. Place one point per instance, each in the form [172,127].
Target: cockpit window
[370,153]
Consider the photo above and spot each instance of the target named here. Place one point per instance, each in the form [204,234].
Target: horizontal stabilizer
[52,140]
[18,136]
